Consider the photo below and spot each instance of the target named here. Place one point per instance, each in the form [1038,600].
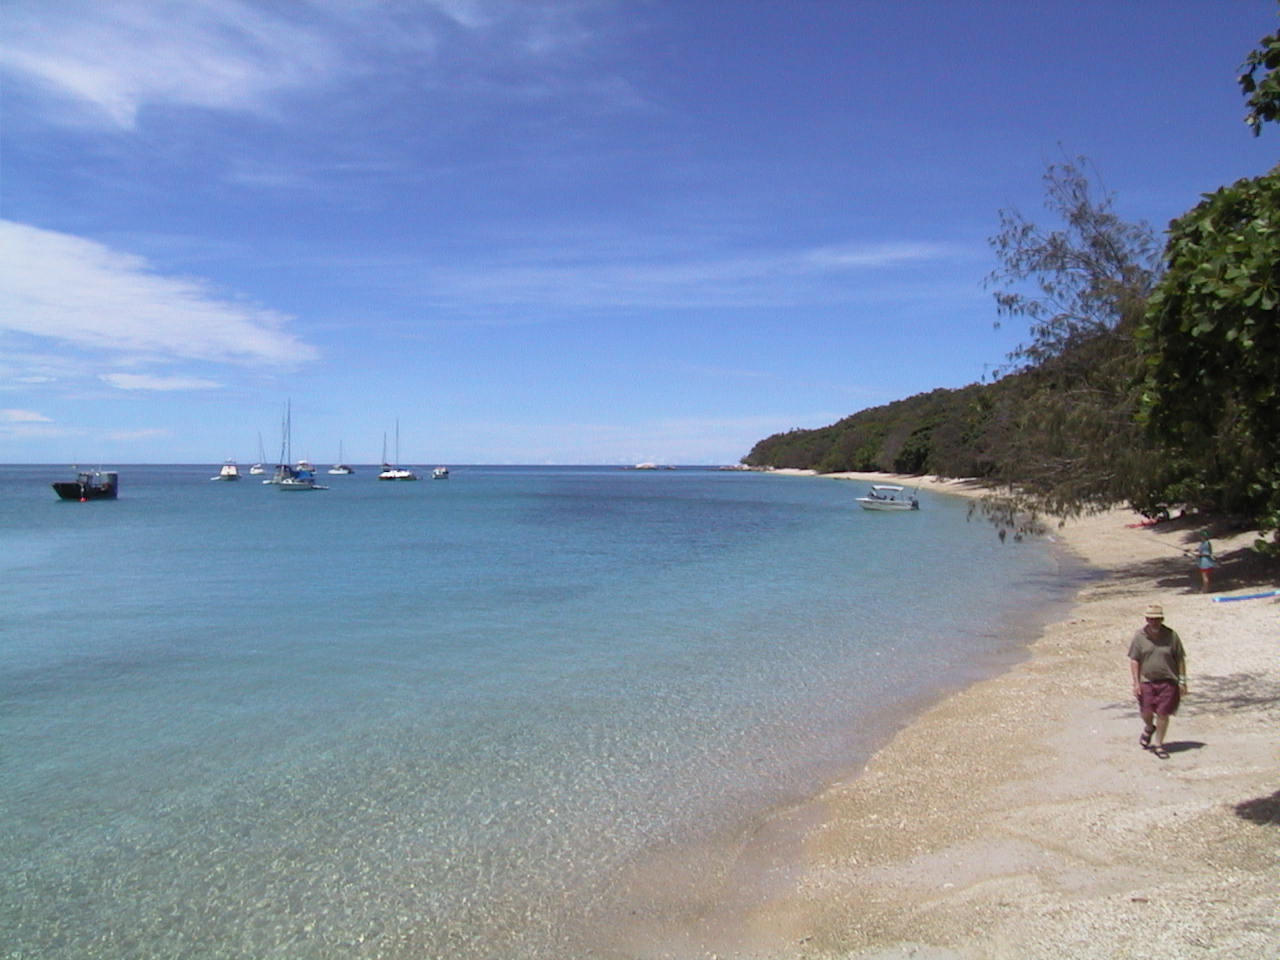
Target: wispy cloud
[68,289]
[23,416]
[17,425]
[142,381]
[132,435]
[114,59]
[570,278]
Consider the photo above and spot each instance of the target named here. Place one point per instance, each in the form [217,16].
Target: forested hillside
[954,433]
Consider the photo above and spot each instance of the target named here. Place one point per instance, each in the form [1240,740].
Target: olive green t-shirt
[1159,659]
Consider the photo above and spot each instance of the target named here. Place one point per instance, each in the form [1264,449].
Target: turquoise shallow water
[438,718]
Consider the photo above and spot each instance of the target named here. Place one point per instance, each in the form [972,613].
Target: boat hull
[866,503]
[88,488]
[295,484]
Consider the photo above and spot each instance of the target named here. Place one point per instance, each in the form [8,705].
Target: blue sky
[561,232]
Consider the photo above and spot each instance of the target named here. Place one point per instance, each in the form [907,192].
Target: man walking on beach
[1158,666]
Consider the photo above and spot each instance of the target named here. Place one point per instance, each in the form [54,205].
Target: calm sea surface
[437,719]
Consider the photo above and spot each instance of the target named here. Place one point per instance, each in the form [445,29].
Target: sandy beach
[1020,818]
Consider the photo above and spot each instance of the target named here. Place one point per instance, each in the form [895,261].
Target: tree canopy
[1262,93]
[1082,285]
[1092,273]
[1212,338]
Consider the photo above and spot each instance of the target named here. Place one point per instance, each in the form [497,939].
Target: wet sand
[1019,818]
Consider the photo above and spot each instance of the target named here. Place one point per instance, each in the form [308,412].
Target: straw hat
[1155,611]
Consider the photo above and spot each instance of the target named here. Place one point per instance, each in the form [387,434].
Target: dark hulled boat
[89,485]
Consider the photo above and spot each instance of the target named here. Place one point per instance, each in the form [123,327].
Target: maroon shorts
[1159,697]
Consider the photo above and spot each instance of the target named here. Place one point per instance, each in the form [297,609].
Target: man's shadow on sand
[1263,810]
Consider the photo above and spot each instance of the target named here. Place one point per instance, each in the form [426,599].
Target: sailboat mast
[284,437]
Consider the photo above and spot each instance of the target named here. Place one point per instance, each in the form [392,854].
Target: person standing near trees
[1205,560]
[1158,667]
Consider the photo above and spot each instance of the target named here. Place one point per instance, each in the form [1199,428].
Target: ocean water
[441,719]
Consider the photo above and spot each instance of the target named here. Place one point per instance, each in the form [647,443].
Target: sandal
[1145,739]
[1160,752]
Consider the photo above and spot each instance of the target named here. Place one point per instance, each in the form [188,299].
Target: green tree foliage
[1262,93]
[1212,335]
[944,432]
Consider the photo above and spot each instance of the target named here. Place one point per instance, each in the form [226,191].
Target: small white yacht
[340,469]
[229,471]
[259,467]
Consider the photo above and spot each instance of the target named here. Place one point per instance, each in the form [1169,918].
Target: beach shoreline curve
[1019,817]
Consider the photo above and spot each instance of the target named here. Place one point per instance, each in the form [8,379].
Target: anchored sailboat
[260,466]
[286,477]
[390,472]
[340,468]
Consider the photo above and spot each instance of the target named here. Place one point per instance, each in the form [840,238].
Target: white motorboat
[229,471]
[440,473]
[889,496]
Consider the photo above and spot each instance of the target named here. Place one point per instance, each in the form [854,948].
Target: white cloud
[23,416]
[65,288]
[114,59]
[142,381]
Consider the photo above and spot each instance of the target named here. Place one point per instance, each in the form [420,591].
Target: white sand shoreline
[1019,818]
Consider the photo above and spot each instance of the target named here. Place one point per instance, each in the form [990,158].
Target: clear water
[435,719]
